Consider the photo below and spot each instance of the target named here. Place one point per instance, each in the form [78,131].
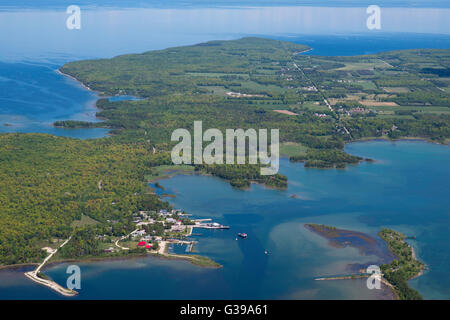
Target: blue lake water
[34,95]
[407,188]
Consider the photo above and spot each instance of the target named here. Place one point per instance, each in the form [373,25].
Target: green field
[84,221]
[165,171]
[291,149]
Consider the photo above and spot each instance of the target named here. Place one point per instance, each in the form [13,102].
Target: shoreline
[306,50]
[80,82]
[18,266]
[421,272]
[106,258]
[387,139]
[98,94]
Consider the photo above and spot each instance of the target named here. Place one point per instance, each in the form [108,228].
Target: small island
[403,267]
[340,238]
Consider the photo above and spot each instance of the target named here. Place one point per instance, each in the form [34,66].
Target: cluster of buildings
[310,88]
[145,245]
[165,217]
[356,110]
[153,229]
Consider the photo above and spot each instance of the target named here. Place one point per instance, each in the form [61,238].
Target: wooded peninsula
[54,187]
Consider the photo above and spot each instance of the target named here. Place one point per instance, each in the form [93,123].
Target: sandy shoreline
[73,78]
[413,253]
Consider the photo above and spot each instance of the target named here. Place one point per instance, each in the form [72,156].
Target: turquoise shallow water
[34,95]
[406,189]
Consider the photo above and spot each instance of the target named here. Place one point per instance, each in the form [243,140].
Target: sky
[222,3]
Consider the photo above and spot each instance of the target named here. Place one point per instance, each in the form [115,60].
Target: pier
[189,244]
[34,276]
[208,224]
[205,226]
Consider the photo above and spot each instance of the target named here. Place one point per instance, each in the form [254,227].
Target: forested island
[403,264]
[402,269]
[52,188]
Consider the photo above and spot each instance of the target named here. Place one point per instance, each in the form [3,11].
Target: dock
[189,244]
[204,226]
[208,224]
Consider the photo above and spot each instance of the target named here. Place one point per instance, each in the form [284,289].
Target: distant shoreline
[387,139]
[80,82]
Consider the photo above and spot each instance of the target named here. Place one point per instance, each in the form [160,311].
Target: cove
[404,189]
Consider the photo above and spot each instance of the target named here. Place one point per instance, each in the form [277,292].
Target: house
[142,244]
[358,110]
[149,246]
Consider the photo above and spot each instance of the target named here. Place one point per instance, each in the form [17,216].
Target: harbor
[157,232]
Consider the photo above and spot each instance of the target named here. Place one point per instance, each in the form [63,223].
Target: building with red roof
[141,244]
